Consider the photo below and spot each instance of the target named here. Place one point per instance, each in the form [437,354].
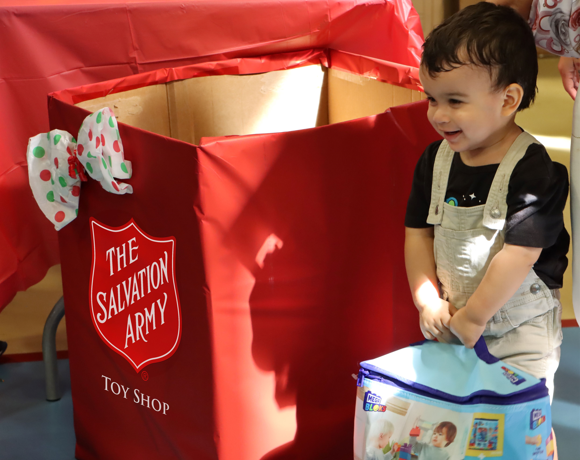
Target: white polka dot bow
[56,164]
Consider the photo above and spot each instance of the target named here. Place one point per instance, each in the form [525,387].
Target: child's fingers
[442,322]
[445,334]
[427,334]
[447,337]
[441,332]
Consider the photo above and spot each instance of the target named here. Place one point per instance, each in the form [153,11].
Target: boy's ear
[513,95]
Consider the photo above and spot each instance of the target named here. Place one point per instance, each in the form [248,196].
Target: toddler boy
[485,246]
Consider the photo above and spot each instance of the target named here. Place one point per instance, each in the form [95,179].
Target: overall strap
[495,211]
[441,170]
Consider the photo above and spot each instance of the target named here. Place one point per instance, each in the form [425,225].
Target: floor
[32,428]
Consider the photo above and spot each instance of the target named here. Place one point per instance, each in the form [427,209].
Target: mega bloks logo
[536,418]
[512,376]
[133,295]
[372,403]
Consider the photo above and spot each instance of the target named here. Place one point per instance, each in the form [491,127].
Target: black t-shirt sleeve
[537,194]
[420,197]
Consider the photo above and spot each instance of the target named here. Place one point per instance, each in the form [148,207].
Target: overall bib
[526,331]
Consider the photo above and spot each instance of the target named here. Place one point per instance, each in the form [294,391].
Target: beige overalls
[526,331]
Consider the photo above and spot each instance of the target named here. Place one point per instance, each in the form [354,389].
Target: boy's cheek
[432,122]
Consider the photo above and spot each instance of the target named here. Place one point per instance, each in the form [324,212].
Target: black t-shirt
[536,197]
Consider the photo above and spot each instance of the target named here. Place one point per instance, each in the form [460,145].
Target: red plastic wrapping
[304,266]
[52,45]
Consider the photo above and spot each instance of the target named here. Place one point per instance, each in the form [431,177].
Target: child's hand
[466,328]
[434,321]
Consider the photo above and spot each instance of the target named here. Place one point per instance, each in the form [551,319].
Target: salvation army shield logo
[133,294]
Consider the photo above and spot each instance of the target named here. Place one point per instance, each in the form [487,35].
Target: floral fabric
[556,26]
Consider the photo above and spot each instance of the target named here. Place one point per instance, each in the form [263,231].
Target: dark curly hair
[490,36]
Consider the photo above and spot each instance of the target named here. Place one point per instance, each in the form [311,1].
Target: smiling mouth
[451,135]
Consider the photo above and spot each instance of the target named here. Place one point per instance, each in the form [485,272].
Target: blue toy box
[434,401]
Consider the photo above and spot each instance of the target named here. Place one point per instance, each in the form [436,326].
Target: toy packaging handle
[483,353]
[480,349]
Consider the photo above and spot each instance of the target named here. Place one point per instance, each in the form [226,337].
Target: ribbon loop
[57,163]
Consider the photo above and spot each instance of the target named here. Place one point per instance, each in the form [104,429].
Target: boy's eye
[455,101]
[431,100]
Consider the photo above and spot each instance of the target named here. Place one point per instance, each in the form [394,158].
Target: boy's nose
[439,115]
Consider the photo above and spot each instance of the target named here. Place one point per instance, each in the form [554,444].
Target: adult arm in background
[568,66]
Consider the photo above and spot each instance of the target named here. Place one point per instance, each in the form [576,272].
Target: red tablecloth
[52,45]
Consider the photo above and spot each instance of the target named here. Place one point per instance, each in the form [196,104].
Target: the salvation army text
[139,283]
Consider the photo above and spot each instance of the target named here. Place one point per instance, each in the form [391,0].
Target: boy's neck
[494,152]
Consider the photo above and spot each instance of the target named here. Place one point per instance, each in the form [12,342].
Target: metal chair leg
[49,351]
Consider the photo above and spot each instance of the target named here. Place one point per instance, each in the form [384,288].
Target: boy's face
[439,438]
[464,108]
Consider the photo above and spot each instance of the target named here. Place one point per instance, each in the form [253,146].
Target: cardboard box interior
[226,105]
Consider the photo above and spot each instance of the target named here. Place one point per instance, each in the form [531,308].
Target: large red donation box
[220,309]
